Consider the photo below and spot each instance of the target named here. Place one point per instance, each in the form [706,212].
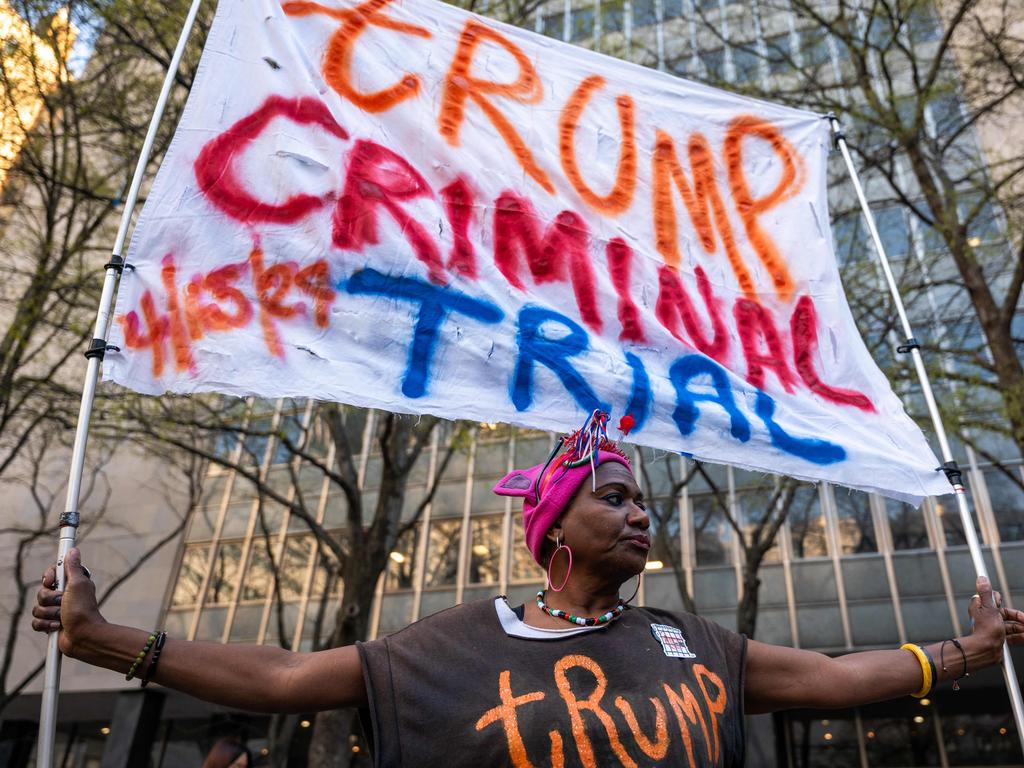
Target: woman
[576,678]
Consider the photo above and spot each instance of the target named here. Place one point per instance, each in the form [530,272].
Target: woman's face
[607,527]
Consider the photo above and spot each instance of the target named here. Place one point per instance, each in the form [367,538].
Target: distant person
[576,678]
[228,752]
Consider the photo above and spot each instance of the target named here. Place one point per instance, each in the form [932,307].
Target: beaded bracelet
[942,661]
[141,657]
[928,673]
[158,648]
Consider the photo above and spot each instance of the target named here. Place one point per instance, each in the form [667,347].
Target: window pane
[907,526]
[643,13]
[236,516]
[894,231]
[449,499]
[256,583]
[224,575]
[325,581]
[269,515]
[485,499]
[714,63]
[922,24]
[402,562]
[491,459]
[523,566]
[255,441]
[202,523]
[484,549]
[1007,504]
[281,624]
[554,24]
[747,62]
[807,524]
[814,49]
[711,531]
[532,450]
[611,16]
[294,562]
[190,576]
[850,242]
[443,553]
[780,55]
[291,437]
[582,23]
[753,506]
[949,517]
[211,624]
[856,529]
[671,9]
[245,627]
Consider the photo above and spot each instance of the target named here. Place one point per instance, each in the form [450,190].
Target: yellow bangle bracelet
[926,668]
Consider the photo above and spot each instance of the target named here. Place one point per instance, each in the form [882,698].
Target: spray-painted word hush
[402,205]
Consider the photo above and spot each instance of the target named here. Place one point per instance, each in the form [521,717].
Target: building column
[133,728]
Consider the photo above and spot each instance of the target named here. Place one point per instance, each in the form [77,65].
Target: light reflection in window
[224,574]
[443,553]
[190,576]
[484,550]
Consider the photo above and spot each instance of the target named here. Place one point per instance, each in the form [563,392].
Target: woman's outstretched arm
[252,677]
[783,678]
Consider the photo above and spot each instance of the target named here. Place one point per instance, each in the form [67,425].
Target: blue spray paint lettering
[686,412]
[639,406]
[436,302]
[554,354]
[808,448]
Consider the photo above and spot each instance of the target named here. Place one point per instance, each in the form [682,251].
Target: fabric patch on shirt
[672,641]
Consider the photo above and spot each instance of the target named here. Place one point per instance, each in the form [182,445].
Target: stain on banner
[402,205]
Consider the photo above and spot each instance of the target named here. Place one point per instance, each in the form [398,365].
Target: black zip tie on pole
[837,132]
[69,518]
[98,348]
[953,474]
[117,263]
[907,346]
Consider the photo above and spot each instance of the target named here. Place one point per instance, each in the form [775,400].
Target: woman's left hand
[783,678]
[991,624]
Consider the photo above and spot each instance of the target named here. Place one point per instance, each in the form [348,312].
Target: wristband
[158,648]
[928,674]
[141,657]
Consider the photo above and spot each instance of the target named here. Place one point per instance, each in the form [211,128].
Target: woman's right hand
[74,611]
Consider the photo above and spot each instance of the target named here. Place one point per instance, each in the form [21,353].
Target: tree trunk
[330,746]
[746,611]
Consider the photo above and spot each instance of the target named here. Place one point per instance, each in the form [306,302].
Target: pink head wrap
[547,489]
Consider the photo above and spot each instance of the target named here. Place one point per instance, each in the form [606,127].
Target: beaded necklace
[583,621]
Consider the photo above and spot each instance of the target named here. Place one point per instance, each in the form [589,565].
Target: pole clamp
[98,348]
[953,474]
[69,519]
[837,132]
[908,345]
[118,264]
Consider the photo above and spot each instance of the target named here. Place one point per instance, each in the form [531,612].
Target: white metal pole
[70,518]
[949,465]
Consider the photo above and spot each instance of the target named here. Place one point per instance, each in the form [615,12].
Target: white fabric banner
[405,206]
